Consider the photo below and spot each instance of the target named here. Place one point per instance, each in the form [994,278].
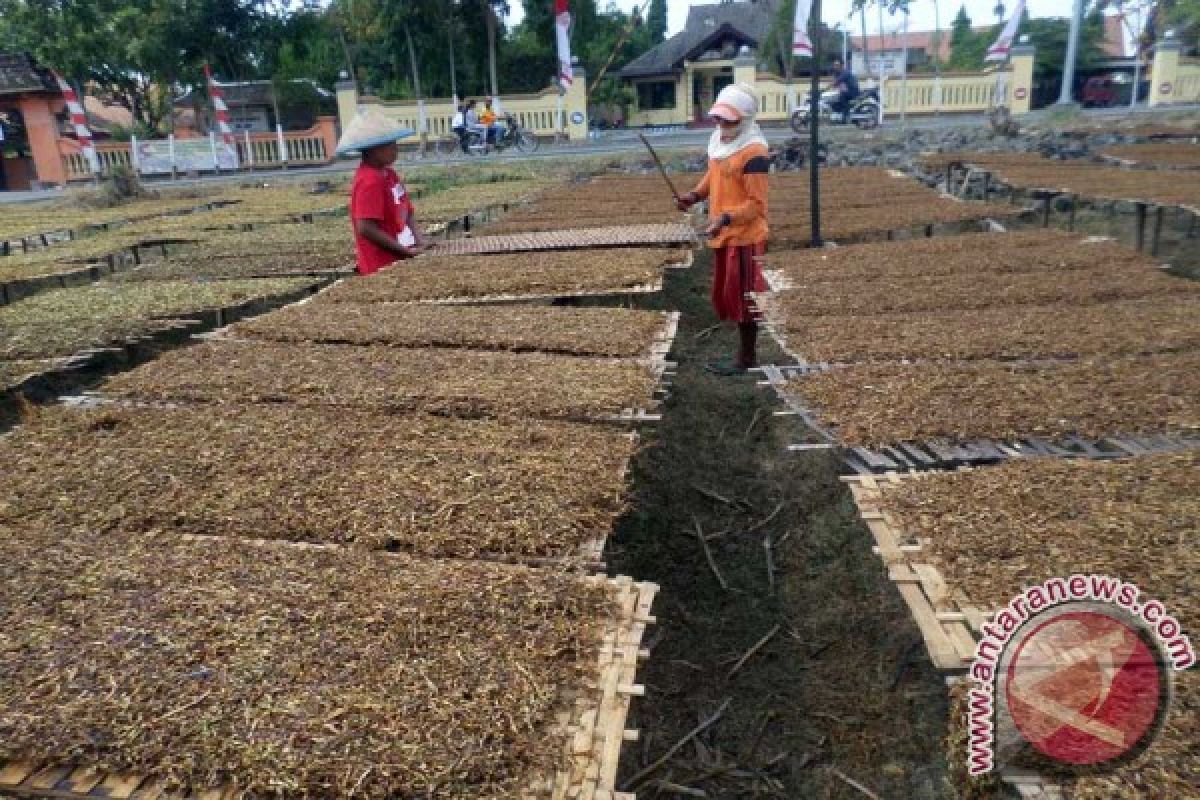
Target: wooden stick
[633,782]
[770,564]
[767,520]
[753,423]
[712,564]
[851,782]
[760,644]
[675,788]
[661,169]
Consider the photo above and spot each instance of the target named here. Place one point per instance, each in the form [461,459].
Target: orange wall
[42,128]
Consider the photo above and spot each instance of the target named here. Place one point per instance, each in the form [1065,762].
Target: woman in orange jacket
[736,189]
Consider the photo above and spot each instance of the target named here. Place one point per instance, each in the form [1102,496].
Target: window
[656,95]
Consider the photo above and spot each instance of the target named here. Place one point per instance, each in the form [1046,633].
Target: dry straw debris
[289,672]
[326,263]
[423,485]
[66,321]
[1122,327]
[882,404]
[564,273]
[576,331]
[457,382]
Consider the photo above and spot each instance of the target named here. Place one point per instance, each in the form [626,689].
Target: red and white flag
[801,43]
[218,100]
[79,121]
[562,25]
[1000,50]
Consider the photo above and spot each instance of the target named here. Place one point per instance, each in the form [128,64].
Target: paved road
[605,143]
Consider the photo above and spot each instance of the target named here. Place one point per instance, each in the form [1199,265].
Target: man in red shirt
[381,211]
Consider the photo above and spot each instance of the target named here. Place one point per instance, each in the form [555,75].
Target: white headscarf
[742,98]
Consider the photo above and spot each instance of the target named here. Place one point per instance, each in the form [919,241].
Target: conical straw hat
[370,129]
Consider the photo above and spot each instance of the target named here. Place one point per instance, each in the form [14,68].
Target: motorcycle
[863,112]
[513,135]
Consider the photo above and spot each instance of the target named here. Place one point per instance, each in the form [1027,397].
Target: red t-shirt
[378,194]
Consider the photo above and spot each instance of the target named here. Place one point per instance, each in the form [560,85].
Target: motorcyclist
[846,84]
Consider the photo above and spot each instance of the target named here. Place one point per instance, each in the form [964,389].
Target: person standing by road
[381,212]
[735,186]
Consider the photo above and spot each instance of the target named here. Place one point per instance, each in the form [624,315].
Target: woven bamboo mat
[570,239]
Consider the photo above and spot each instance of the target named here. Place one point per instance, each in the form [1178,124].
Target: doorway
[16,157]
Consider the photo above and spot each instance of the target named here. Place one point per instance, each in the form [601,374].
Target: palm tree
[492,11]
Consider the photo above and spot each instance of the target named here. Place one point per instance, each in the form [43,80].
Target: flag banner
[1000,50]
[79,121]
[228,143]
[801,43]
[562,25]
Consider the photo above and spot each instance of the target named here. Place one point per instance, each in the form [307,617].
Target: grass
[844,684]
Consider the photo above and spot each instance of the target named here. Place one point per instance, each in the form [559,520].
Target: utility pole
[1065,97]
[814,126]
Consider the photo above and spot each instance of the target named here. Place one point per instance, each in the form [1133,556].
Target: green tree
[968,47]
[656,21]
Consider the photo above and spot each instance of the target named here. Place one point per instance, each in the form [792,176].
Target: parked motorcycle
[512,135]
[863,112]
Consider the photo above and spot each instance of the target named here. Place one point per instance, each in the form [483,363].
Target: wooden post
[1074,208]
[1047,198]
[1140,235]
[814,125]
[1158,226]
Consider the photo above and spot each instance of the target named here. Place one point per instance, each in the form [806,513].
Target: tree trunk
[416,79]
[489,18]
[453,72]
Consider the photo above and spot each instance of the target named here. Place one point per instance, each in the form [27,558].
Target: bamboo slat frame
[571,239]
[949,623]
[593,730]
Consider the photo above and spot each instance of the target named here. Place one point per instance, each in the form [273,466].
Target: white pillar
[133,154]
[283,153]
[1064,96]
[212,148]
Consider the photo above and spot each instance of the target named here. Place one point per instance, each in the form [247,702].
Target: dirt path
[838,690]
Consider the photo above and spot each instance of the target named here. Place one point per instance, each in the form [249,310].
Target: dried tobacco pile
[292,673]
[1160,154]
[1171,766]
[1114,183]
[848,224]
[1122,327]
[981,290]
[562,273]
[249,266]
[1033,250]
[457,382]
[66,321]
[1167,770]
[576,331]
[882,404]
[994,531]
[422,485]
[13,372]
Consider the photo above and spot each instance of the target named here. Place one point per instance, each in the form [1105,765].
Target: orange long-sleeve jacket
[737,186]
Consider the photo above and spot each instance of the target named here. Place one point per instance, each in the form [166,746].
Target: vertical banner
[801,43]
[217,94]
[999,51]
[79,121]
[562,25]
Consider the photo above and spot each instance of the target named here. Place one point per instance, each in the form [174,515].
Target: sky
[835,11]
